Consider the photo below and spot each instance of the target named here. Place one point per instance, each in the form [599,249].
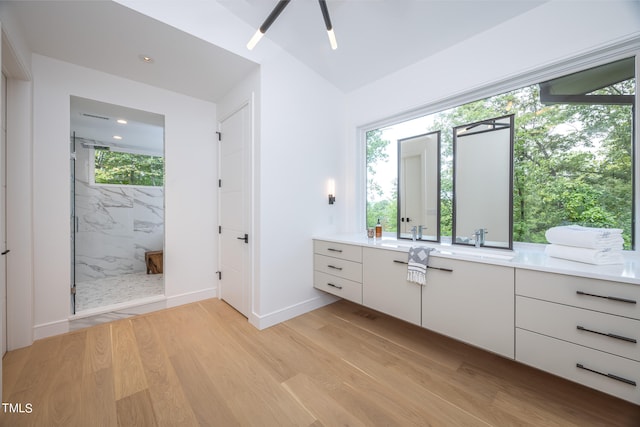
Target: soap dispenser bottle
[378,229]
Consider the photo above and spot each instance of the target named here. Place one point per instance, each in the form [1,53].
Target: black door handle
[5,252]
[245,238]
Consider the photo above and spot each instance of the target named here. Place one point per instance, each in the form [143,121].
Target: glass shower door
[73,221]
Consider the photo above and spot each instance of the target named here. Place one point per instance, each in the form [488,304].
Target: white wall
[299,146]
[302,136]
[551,33]
[190,197]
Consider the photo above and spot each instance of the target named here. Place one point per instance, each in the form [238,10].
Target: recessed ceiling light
[146,58]
[122,121]
[117,137]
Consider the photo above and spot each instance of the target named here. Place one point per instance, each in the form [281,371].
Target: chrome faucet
[480,235]
[414,231]
[420,232]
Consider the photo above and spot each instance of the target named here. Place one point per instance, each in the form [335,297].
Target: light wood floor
[203,364]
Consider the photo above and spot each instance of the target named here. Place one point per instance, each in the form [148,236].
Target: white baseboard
[58,327]
[176,300]
[50,329]
[263,322]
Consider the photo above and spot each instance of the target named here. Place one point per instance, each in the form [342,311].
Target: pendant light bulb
[332,39]
[255,39]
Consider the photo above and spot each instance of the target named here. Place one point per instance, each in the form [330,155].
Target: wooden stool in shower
[154,261]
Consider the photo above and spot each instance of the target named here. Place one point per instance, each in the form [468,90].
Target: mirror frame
[438,134]
[454,210]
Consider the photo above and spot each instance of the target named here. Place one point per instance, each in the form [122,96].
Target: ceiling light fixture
[327,23]
[117,137]
[278,10]
[146,59]
[122,121]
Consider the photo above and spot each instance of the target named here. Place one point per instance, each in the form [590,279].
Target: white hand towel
[585,255]
[417,265]
[586,237]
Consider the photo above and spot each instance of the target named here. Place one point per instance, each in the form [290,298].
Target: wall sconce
[331,188]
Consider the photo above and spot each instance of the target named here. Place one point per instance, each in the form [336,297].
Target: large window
[573,153]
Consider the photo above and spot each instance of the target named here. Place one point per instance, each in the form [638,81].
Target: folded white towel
[586,237]
[585,255]
[417,265]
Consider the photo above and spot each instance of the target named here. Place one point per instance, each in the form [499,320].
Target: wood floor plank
[65,389]
[319,402]
[127,367]
[98,352]
[171,407]
[136,410]
[204,364]
[98,403]
[251,380]
[206,400]
[402,368]
[13,362]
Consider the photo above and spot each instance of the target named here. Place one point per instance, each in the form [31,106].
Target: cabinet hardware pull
[334,250]
[618,337]
[449,270]
[334,286]
[629,301]
[433,268]
[334,267]
[612,376]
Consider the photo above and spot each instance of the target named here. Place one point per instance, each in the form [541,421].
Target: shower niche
[117,204]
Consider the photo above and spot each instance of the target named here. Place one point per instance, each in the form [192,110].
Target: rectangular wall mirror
[419,187]
[483,183]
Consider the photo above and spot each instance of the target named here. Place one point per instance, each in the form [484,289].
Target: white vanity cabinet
[586,330]
[385,287]
[338,269]
[471,302]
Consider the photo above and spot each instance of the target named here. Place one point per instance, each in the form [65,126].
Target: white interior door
[235,210]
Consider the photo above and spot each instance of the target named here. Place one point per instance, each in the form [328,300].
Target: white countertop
[524,255]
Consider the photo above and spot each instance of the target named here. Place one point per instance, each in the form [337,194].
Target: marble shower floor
[114,290]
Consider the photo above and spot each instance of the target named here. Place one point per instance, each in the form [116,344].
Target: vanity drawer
[343,288]
[338,267]
[622,299]
[612,334]
[562,358]
[338,250]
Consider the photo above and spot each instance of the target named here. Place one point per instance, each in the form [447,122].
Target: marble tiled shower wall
[115,226]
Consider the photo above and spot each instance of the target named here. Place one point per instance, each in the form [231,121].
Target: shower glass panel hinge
[219,273]
[219,229]
[219,136]
[219,183]
[73,290]
[73,155]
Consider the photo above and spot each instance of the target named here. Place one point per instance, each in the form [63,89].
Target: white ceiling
[96,123]
[375,38]
[109,37]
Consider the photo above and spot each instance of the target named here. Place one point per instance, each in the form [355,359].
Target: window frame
[92,170]
[537,75]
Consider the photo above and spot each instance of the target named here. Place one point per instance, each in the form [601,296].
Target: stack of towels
[598,246]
